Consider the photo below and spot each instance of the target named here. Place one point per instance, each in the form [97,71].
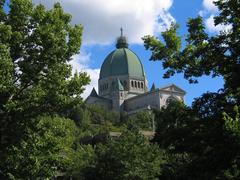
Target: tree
[203,54]
[36,45]
[129,157]
[196,147]
[232,125]
[142,120]
[45,150]
[100,115]
[36,81]
[82,161]
[169,121]
[206,142]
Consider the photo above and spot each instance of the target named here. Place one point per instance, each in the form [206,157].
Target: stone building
[123,85]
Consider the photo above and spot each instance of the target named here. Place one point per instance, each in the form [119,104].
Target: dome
[122,61]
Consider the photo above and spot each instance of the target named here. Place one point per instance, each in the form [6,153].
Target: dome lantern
[122,41]
[122,61]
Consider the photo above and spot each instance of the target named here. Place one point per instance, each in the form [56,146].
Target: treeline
[53,147]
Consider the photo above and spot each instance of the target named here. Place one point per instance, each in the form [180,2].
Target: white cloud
[215,29]
[102,19]
[80,64]
[209,11]
[210,6]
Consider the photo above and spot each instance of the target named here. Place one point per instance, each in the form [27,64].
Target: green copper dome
[122,61]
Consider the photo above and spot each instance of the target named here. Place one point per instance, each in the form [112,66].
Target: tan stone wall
[155,99]
[143,100]
[165,95]
[133,86]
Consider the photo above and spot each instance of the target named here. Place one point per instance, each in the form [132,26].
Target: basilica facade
[123,85]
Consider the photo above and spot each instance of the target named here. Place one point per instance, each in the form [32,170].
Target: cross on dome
[122,41]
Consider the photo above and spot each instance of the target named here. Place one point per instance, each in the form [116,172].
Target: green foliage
[100,115]
[202,142]
[196,148]
[6,67]
[175,115]
[129,157]
[203,54]
[232,126]
[36,45]
[142,120]
[93,118]
[82,160]
[35,76]
[96,119]
[47,148]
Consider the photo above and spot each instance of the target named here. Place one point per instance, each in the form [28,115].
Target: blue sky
[102,20]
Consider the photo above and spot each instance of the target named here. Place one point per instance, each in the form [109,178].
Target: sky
[102,20]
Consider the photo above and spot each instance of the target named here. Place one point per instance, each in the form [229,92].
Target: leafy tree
[81,115]
[203,54]
[36,82]
[98,119]
[100,115]
[204,143]
[36,45]
[232,125]
[169,121]
[81,161]
[46,149]
[95,115]
[129,157]
[196,148]
[141,120]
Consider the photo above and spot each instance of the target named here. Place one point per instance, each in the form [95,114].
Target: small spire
[94,93]
[122,41]
[153,88]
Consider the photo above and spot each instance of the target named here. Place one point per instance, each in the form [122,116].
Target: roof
[172,87]
[122,61]
[97,97]
[94,93]
[169,88]
[153,87]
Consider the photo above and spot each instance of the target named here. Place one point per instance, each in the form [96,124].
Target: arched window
[142,85]
[135,83]
[132,83]
[138,84]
